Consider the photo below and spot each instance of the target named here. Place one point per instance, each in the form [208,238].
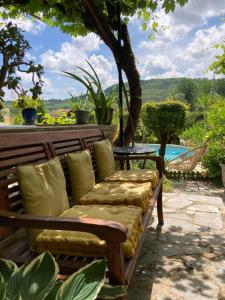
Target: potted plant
[28,106]
[81,109]
[102,102]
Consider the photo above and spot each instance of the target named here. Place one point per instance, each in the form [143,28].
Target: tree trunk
[124,57]
[162,150]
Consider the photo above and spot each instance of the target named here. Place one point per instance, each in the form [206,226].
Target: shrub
[163,119]
[214,156]
[194,135]
[215,139]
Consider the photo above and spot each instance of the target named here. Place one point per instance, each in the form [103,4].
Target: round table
[137,149]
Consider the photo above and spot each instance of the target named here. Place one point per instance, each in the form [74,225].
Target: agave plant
[95,91]
[38,280]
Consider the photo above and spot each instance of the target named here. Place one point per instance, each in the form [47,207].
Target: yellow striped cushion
[117,193]
[87,244]
[138,176]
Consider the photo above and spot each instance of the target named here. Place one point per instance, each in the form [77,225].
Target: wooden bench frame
[35,147]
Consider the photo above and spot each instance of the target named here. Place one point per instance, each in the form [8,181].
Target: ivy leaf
[155,26]
[144,27]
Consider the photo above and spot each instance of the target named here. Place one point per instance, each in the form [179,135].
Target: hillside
[152,90]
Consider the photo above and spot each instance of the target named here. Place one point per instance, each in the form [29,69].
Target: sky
[182,47]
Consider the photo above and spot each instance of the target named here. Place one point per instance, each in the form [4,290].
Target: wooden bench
[35,147]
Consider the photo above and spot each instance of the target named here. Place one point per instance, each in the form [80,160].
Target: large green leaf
[2,288]
[34,280]
[54,290]
[112,292]
[84,284]
[7,268]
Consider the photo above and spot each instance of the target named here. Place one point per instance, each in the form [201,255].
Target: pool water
[172,151]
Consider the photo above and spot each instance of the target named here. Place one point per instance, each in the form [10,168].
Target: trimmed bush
[164,119]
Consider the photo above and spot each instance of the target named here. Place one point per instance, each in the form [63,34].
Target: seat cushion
[138,176]
[87,244]
[43,189]
[117,193]
[81,173]
[104,159]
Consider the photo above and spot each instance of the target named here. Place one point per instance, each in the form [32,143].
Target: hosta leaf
[84,284]
[34,280]
[54,290]
[7,268]
[14,283]
[112,292]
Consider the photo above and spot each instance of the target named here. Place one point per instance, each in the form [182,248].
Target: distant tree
[188,87]
[164,119]
[220,87]
[13,48]
[205,87]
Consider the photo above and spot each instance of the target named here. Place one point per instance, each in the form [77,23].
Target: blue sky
[184,48]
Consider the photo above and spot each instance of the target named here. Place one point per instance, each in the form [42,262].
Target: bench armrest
[105,230]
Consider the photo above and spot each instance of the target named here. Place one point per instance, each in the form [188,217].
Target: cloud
[71,53]
[186,46]
[74,53]
[157,66]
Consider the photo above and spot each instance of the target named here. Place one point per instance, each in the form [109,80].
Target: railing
[191,175]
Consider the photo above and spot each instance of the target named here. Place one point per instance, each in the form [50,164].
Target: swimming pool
[171,150]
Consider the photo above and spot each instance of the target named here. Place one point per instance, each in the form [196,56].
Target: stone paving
[186,260]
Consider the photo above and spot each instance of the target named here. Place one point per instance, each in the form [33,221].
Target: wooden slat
[19,152]
[68,149]
[63,144]
[22,159]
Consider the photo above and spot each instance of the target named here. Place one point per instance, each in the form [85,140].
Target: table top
[136,149]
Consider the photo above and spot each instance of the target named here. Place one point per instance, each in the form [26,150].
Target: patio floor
[187,259]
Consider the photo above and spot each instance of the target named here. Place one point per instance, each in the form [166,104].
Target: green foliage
[95,92]
[164,118]
[70,16]
[189,89]
[216,121]
[80,103]
[38,280]
[214,157]
[194,135]
[167,185]
[193,117]
[215,139]
[13,48]
[61,119]
[218,66]
[26,102]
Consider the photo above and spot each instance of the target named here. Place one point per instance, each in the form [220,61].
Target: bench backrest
[36,147]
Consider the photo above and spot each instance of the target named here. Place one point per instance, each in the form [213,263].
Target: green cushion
[43,189]
[81,173]
[104,159]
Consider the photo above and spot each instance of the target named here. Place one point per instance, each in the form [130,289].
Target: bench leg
[160,208]
[116,263]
